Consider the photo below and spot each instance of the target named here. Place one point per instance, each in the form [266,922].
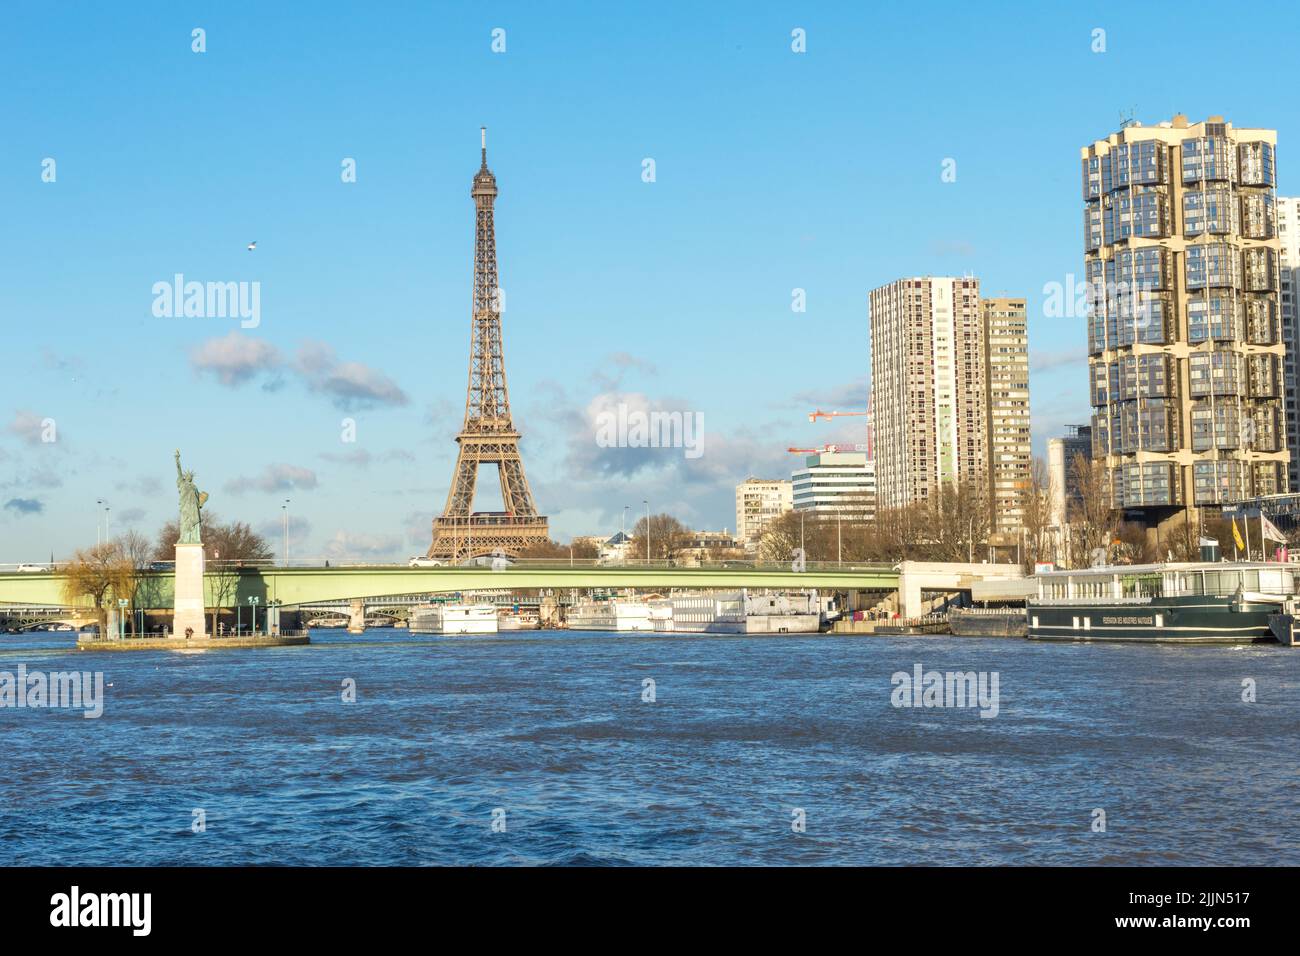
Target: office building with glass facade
[1288,232]
[1181,254]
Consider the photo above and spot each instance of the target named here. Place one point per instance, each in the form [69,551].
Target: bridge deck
[295,586]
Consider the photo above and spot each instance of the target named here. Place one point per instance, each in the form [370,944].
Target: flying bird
[252,245]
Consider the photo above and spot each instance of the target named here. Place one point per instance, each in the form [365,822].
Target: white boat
[739,612]
[614,615]
[454,619]
[522,620]
[707,613]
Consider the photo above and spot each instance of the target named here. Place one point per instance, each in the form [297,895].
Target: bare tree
[235,541]
[1037,511]
[1092,520]
[102,573]
[959,520]
[579,550]
[1183,542]
[811,531]
[1132,545]
[667,537]
[136,551]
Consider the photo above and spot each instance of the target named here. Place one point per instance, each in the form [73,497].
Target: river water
[541,748]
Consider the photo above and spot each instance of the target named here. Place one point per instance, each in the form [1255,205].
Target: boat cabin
[1139,583]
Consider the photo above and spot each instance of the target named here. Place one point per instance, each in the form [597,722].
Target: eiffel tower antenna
[488,434]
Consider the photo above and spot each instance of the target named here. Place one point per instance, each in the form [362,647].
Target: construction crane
[813,416]
[869,447]
[826,448]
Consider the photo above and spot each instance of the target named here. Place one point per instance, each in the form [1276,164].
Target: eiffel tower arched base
[457,539]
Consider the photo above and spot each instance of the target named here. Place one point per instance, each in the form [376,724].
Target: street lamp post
[646,502]
[839,540]
[284,512]
[622,543]
[99,506]
[121,618]
[252,601]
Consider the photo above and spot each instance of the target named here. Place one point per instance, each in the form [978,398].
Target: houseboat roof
[1168,566]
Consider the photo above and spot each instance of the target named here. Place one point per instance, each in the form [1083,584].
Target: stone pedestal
[189,591]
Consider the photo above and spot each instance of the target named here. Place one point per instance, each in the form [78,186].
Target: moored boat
[1181,603]
[611,615]
[454,619]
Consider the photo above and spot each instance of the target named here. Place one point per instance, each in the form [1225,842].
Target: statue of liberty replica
[189,618]
[192,501]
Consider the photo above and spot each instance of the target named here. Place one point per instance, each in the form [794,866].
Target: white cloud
[363,546]
[348,385]
[235,358]
[274,478]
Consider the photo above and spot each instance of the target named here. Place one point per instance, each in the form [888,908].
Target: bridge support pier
[945,577]
[357,616]
[548,612]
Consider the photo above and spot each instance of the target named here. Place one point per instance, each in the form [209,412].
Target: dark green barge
[1178,603]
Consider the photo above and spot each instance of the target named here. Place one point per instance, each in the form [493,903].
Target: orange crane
[870,447]
[826,448]
[813,416]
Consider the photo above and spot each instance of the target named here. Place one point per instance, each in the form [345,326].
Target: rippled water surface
[552,728]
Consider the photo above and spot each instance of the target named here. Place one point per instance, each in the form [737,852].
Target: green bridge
[293,586]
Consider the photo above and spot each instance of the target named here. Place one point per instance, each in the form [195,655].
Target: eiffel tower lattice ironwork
[488,435]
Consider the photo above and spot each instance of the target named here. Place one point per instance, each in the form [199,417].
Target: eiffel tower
[488,435]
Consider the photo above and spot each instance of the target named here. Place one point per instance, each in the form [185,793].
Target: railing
[467,525]
[320,564]
[158,635]
[1063,602]
[925,621]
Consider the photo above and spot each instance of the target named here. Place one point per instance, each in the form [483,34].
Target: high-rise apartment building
[1288,233]
[1006,375]
[1185,353]
[929,390]
[760,501]
[842,483]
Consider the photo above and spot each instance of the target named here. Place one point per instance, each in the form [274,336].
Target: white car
[31,568]
[423,562]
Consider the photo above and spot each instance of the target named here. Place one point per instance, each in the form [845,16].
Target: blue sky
[774,171]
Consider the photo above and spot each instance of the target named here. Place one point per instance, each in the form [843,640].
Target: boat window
[1141,585]
[1252,580]
[1275,581]
[1222,582]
